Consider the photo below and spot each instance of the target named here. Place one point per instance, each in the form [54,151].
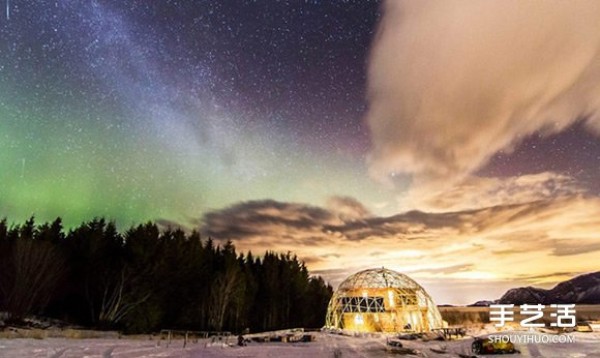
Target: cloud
[567,248]
[502,243]
[347,208]
[480,192]
[566,275]
[265,220]
[448,269]
[450,83]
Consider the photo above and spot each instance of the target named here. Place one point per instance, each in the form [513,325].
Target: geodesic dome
[381,300]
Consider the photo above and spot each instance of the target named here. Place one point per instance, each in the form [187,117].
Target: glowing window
[361,304]
[358,319]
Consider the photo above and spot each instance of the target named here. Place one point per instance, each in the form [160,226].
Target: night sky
[220,114]
[141,110]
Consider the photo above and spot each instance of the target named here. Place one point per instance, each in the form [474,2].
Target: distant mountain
[484,303]
[584,289]
[523,295]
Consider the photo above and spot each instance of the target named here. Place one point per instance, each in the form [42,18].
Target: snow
[325,345]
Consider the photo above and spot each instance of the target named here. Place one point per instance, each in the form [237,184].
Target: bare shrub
[30,275]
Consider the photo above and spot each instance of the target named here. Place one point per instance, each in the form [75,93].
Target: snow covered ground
[326,345]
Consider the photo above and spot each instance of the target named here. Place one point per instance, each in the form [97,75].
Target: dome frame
[382,300]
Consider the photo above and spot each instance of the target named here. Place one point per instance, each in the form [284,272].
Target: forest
[147,278]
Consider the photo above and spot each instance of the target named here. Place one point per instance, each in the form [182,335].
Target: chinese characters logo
[564,315]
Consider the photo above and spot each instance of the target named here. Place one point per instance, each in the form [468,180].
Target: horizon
[354,135]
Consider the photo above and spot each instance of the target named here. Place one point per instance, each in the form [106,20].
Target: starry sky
[139,110]
[354,133]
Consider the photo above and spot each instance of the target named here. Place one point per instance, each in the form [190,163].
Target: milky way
[139,110]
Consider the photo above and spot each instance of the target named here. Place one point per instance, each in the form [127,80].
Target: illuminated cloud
[453,82]
[347,208]
[478,192]
[492,246]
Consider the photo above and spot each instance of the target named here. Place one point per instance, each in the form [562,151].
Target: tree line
[147,279]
